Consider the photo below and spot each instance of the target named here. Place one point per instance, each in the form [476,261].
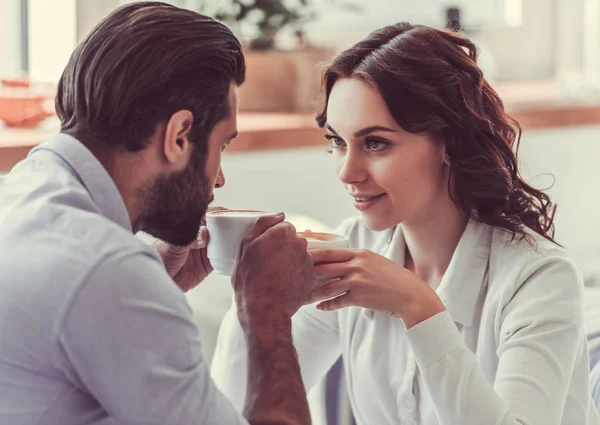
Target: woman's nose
[351,168]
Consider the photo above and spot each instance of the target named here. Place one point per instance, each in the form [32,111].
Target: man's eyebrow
[330,128]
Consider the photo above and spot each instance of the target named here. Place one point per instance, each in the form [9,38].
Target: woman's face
[394,176]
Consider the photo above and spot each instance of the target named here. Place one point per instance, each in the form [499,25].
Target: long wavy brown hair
[431,83]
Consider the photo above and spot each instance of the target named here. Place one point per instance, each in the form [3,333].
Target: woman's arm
[541,338]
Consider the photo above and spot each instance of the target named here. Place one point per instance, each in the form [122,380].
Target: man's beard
[174,206]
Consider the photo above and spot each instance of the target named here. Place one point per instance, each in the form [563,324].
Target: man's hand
[187,266]
[272,277]
[273,274]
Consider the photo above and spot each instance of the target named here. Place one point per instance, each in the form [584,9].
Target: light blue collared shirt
[92,329]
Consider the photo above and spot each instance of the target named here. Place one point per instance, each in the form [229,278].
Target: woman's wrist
[423,305]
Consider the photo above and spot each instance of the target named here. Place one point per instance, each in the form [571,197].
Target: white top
[92,329]
[510,349]
[592,327]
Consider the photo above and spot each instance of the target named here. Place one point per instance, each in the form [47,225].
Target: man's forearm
[275,393]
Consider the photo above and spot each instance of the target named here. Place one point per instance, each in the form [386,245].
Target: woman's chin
[377,224]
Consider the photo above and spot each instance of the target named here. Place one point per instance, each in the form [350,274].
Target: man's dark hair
[140,65]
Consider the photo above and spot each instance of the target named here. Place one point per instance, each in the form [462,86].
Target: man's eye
[336,142]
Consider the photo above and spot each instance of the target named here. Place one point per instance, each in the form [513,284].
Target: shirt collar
[92,175]
[462,283]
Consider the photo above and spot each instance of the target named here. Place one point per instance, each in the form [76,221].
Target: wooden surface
[256,132]
[534,106]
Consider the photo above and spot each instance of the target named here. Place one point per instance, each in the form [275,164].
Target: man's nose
[220,182]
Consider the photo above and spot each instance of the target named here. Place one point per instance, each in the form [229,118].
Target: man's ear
[176,144]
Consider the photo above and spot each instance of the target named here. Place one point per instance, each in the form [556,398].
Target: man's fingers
[321,256]
[202,240]
[282,230]
[261,225]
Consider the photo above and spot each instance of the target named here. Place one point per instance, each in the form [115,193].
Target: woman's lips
[363,203]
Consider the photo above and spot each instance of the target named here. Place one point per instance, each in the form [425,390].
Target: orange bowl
[20,82]
[23,107]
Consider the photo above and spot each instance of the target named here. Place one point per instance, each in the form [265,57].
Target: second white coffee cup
[325,240]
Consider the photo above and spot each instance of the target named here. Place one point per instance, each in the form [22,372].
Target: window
[37,37]
[51,37]
[12,33]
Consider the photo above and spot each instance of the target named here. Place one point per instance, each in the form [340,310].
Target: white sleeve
[316,339]
[128,339]
[541,337]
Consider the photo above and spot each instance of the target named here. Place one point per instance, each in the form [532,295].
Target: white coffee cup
[226,229]
[320,240]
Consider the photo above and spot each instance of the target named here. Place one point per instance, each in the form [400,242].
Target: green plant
[264,18]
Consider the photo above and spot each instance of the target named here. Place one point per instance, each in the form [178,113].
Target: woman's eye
[375,145]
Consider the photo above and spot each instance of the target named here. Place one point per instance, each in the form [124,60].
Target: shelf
[535,105]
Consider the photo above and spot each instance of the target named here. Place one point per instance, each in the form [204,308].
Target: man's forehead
[230,125]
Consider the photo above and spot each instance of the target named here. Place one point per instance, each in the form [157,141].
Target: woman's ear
[442,144]
[446,159]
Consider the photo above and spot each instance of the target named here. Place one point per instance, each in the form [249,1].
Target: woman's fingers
[327,291]
[321,256]
[345,300]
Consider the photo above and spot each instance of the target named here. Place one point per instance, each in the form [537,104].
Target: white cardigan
[510,349]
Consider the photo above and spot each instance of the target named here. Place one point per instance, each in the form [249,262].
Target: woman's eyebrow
[364,131]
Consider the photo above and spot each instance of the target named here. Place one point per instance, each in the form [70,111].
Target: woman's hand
[364,279]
